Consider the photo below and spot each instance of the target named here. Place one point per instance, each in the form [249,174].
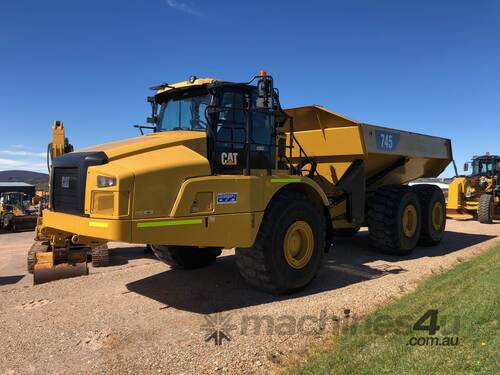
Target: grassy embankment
[467,300]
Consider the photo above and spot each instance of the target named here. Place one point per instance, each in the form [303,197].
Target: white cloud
[184,7]
[29,165]
[18,157]
[23,153]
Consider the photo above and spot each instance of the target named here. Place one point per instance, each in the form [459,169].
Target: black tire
[100,255]
[432,225]
[187,257]
[264,265]
[385,219]
[37,247]
[8,220]
[484,212]
[345,232]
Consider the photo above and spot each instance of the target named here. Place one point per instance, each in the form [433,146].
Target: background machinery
[60,263]
[15,213]
[478,194]
[226,166]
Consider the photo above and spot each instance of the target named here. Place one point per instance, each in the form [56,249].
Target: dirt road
[139,316]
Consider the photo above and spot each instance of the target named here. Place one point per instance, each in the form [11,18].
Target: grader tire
[485,210]
[37,247]
[345,232]
[394,219]
[186,257]
[271,265]
[433,207]
[8,220]
[100,256]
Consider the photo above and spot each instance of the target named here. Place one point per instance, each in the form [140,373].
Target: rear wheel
[188,257]
[287,252]
[485,210]
[345,232]
[394,219]
[433,207]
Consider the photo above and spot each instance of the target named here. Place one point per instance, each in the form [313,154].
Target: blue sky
[424,66]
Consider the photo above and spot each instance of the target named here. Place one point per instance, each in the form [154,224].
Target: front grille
[69,176]
[65,191]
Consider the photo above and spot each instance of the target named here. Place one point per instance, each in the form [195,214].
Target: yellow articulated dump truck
[477,195]
[227,167]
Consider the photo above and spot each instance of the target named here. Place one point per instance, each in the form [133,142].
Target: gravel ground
[138,316]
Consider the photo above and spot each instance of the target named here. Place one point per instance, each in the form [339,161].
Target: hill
[40,180]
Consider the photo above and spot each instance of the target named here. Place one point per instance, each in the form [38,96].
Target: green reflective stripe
[285,180]
[168,223]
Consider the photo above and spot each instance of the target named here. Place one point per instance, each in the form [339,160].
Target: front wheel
[187,257]
[8,221]
[485,210]
[287,252]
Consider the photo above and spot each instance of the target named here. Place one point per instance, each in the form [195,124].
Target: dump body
[335,141]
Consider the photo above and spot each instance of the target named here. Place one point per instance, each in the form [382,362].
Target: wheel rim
[298,244]
[437,215]
[409,220]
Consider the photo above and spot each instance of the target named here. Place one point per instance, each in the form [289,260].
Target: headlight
[104,181]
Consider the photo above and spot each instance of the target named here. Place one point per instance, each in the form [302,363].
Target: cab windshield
[184,111]
[14,199]
[481,167]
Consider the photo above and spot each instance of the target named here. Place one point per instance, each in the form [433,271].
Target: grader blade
[59,264]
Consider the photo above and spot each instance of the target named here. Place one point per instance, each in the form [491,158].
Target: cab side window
[231,123]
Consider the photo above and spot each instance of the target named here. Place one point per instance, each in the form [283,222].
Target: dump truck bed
[390,156]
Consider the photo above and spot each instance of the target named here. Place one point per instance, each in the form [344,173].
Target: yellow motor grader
[227,167]
[477,195]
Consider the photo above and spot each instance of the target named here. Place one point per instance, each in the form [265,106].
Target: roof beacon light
[192,79]
[262,73]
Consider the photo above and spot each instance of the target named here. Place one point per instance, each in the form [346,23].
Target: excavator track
[100,256]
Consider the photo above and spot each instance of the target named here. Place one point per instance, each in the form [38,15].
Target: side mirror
[152,120]
[497,167]
[466,167]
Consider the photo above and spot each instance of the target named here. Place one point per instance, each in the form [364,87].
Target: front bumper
[228,230]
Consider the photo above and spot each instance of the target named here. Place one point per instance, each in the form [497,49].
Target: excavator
[57,264]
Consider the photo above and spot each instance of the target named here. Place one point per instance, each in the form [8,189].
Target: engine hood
[195,140]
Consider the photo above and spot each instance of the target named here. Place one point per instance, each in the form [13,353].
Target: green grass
[470,291]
